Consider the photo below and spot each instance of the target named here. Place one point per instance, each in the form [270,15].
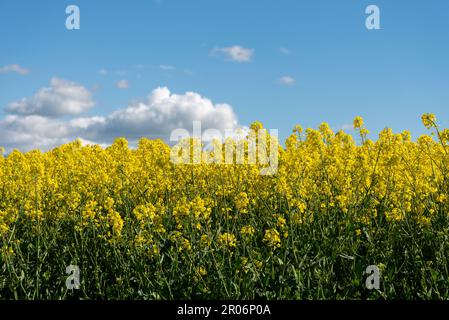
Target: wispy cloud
[167,67]
[285,50]
[235,53]
[347,127]
[122,84]
[287,80]
[14,68]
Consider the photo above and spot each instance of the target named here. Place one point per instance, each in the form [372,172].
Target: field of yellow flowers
[140,227]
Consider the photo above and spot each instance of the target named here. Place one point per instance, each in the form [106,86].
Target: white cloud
[96,87]
[103,72]
[14,68]
[122,84]
[285,51]
[287,80]
[156,117]
[85,142]
[61,98]
[167,67]
[32,132]
[347,127]
[160,115]
[235,53]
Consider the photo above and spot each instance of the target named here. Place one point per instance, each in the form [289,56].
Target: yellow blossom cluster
[139,195]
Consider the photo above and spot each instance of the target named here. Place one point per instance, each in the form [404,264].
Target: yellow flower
[116,222]
[258,264]
[201,271]
[227,240]
[205,240]
[445,136]
[358,122]
[428,120]
[281,221]
[7,252]
[241,202]
[185,245]
[139,240]
[441,198]
[256,126]
[247,231]
[3,228]
[138,199]
[272,238]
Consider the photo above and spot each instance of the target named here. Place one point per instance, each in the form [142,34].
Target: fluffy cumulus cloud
[61,98]
[14,68]
[156,117]
[31,132]
[162,113]
[235,53]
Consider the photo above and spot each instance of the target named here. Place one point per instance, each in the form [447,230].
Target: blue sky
[340,69]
